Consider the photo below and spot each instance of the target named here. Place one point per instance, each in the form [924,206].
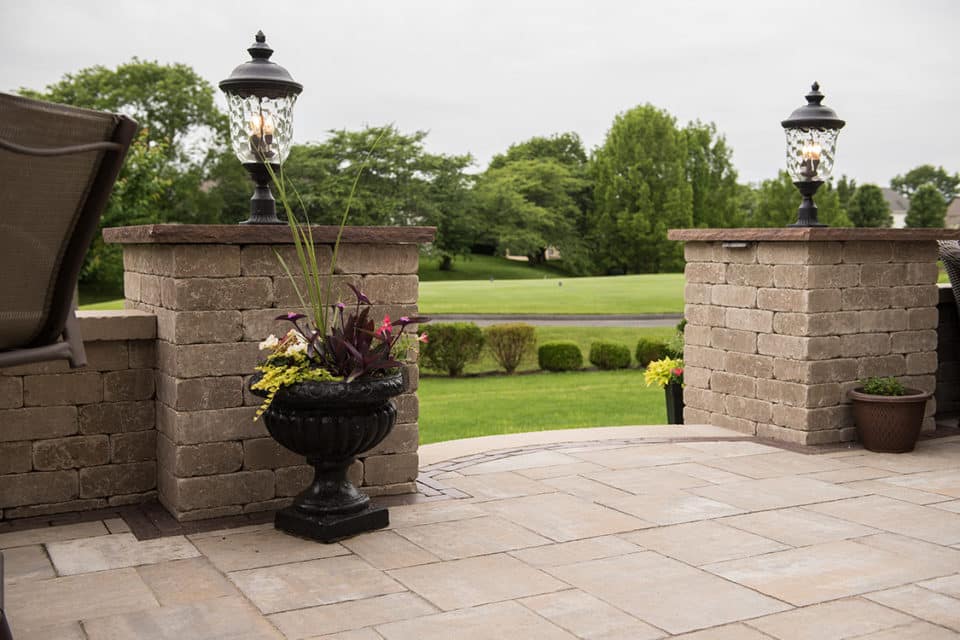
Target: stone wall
[778,330]
[215,292]
[948,358]
[81,439]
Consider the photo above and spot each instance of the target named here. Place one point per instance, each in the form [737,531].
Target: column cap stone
[261,234]
[811,234]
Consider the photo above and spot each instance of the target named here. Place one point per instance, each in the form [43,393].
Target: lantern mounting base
[807,212]
[263,207]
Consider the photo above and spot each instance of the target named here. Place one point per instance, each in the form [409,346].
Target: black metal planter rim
[311,395]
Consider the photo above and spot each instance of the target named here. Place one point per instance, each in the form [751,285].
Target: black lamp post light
[812,132]
[260,99]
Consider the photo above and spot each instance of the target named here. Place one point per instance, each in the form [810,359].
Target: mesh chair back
[950,254]
[57,174]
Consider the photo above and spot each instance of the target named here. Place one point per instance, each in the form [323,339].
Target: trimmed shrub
[452,345]
[609,355]
[509,343]
[650,350]
[675,345]
[562,355]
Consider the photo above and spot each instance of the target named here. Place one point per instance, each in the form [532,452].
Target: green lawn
[653,293]
[470,407]
[583,336]
[478,267]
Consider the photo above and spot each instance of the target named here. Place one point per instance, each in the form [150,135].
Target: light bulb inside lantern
[262,127]
[810,153]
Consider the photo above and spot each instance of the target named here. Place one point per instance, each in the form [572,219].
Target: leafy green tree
[565,148]
[641,190]
[845,190]
[776,203]
[927,207]
[172,103]
[868,208]
[910,183]
[548,183]
[401,184]
[710,172]
[531,205]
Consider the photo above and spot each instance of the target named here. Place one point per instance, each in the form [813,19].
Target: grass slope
[466,408]
[651,293]
[479,267]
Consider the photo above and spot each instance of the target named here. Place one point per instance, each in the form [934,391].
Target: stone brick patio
[627,533]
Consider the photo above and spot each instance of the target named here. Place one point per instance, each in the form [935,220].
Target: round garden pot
[889,424]
[330,424]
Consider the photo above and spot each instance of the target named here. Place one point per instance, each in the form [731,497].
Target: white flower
[270,343]
[297,347]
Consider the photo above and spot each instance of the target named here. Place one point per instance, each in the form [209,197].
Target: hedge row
[454,345]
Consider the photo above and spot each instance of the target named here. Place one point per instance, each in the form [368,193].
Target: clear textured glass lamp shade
[261,129]
[810,153]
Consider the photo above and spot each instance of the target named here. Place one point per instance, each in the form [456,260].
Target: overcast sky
[480,75]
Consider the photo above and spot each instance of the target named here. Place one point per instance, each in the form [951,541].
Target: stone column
[215,291]
[781,323]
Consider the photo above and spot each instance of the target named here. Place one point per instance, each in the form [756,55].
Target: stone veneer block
[780,329]
[216,291]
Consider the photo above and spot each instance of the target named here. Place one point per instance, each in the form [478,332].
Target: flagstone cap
[812,234]
[261,234]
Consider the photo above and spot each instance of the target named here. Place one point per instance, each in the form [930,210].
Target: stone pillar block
[216,291]
[781,323]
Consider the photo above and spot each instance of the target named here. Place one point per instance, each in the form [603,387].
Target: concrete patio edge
[440,451]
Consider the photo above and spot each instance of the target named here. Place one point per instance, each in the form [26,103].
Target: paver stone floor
[610,534]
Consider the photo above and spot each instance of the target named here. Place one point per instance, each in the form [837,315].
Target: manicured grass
[652,293]
[470,407]
[583,336]
[479,267]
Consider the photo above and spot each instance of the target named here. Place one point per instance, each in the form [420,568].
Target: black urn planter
[674,394]
[330,424]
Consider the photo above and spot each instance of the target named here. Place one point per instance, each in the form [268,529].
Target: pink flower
[385,328]
[677,372]
[423,338]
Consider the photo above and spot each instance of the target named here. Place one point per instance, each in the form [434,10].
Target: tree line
[606,210]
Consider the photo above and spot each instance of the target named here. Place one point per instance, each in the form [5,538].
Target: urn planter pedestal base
[330,528]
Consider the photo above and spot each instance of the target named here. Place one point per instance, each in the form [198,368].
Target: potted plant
[888,416]
[327,386]
[668,374]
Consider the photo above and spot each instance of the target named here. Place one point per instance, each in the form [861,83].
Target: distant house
[899,204]
[953,215]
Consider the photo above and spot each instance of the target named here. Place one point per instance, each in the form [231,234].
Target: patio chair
[950,254]
[59,165]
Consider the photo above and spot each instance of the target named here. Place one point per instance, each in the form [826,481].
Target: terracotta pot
[330,424]
[889,424]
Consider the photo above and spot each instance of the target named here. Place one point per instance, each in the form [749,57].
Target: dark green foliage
[562,355]
[609,355]
[868,208]
[451,346]
[648,350]
[845,190]
[401,184]
[509,343]
[535,196]
[710,172]
[878,386]
[948,185]
[640,191]
[775,204]
[927,207]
